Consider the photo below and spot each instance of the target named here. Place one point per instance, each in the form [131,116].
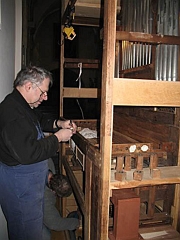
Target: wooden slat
[81,60]
[158,115]
[80,92]
[84,65]
[87,123]
[147,38]
[136,92]
[79,195]
[137,72]
[140,130]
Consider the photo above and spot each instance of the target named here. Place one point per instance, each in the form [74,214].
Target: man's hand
[68,124]
[64,135]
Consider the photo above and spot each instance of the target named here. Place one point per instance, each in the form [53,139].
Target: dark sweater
[18,132]
[52,218]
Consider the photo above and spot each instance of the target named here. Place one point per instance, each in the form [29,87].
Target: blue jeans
[21,199]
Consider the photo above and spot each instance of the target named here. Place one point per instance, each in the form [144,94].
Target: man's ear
[28,86]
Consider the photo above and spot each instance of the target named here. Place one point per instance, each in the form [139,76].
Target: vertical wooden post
[151,202]
[120,175]
[106,128]
[127,166]
[119,163]
[154,171]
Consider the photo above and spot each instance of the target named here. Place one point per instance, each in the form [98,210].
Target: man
[58,185]
[24,150]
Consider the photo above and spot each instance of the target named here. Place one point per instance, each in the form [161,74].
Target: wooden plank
[79,195]
[80,92]
[162,116]
[120,149]
[86,123]
[140,130]
[169,175]
[88,8]
[119,138]
[147,38]
[142,72]
[81,60]
[139,92]
[84,65]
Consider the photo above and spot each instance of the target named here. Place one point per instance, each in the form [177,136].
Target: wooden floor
[58,235]
[63,236]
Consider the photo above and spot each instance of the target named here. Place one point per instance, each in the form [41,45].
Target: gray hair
[32,74]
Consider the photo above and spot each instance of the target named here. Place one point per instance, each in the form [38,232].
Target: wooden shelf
[169,175]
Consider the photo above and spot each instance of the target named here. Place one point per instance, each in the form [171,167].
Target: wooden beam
[140,92]
[80,92]
[108,66]
[147,38]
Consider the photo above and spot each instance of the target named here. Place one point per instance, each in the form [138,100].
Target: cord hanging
[80,73]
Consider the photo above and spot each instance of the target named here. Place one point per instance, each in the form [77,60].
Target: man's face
[39,93]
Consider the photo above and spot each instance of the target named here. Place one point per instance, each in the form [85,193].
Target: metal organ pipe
[137,17]
[167,55]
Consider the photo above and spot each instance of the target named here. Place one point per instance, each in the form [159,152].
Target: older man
[24,150]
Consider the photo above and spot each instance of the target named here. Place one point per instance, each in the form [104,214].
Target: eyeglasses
[44,94]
